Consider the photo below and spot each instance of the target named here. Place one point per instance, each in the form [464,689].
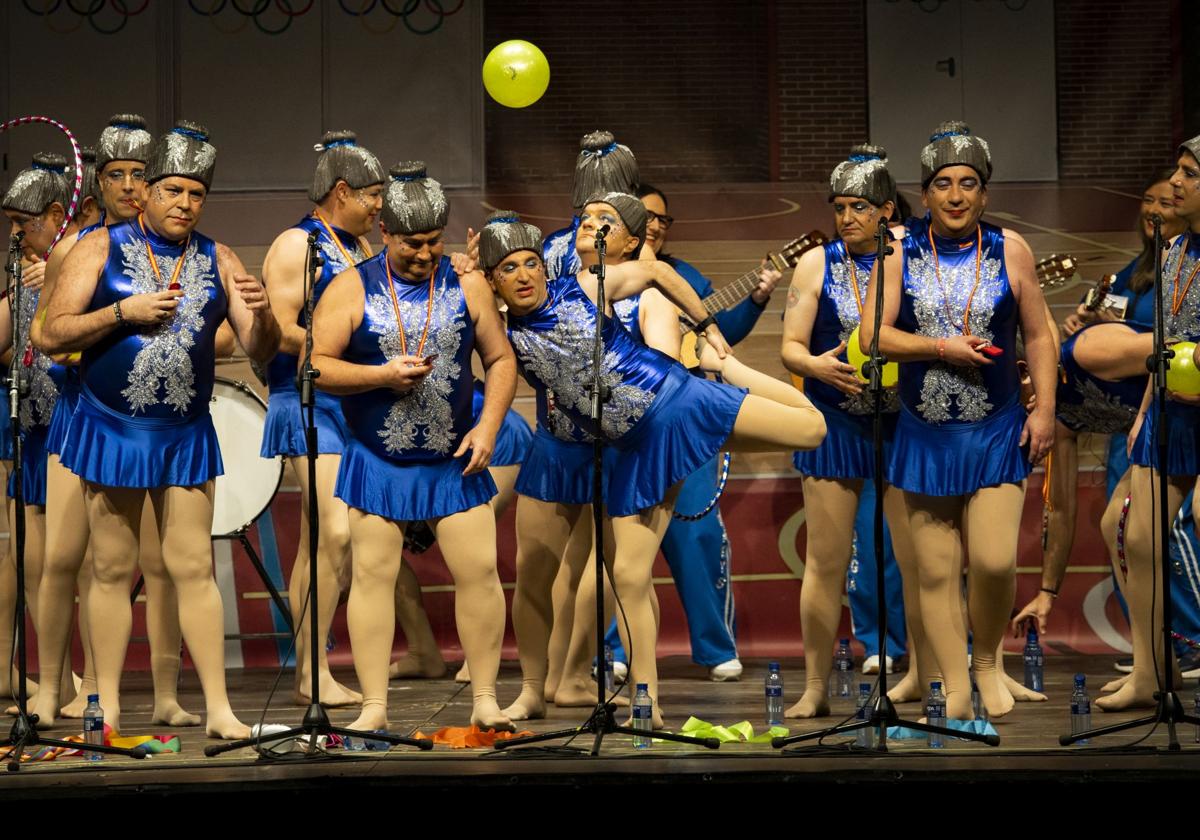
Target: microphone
[602,231]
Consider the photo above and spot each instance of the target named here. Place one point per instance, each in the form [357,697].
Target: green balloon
[1182,375]
[516,74]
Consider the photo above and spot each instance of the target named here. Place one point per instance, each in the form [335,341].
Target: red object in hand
[990,350]
[27,359]
[174,287]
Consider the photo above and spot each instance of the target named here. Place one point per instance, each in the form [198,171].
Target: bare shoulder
[1014,240]
[91,248]
[346,287]
[478,291]
[290,243]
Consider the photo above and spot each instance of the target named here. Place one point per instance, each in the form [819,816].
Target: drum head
[250,481]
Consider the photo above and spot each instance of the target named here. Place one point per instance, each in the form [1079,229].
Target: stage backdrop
[265,97]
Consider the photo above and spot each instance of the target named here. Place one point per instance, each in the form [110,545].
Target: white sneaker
[620,672]
[730,671]
[871,665]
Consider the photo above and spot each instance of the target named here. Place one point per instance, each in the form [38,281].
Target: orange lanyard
[1178,297]
[396,309]
[174,284]
[337,240]
[966,322]
[854,282]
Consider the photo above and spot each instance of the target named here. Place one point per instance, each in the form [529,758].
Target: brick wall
[822,91]
[1118,93]
[682,84]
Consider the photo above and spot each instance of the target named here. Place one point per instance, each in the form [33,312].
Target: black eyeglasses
[663,219]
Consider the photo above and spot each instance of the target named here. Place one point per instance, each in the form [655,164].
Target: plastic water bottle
[643,711]
[773,689]
[1081,708]
[842,684]
[1033,662]
[935,713]
[610,682]
[864,737]
[93,726]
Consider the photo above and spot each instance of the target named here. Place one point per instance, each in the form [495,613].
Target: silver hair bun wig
[183,152]
[504,234]
[414,202]
[42,184]
[952,144]
[342,159]
[603,165]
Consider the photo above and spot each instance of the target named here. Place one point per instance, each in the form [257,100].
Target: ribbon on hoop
[78,169]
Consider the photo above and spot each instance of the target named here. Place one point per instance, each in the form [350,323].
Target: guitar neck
[732,294]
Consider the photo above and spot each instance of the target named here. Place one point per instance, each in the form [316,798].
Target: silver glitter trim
[333,254]
[1099,412]
[1184,324]
[561,359]
[839,291]
[561,258]
[423,417]
[38,407]
[162,370]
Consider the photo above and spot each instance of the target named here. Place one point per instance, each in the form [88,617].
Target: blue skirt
[409,492]
[64,411]
[116,450]
[560,472]
[956,459]
[848,450]
[1183,439]
[513,441]
[283,431]
[686,425]
[33,462]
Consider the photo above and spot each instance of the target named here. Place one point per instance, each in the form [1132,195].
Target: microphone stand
[316,720]
[602,721]
[883,714]
[1169,709]
[24,733]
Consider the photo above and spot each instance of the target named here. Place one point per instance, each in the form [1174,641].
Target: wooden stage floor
[1028,752]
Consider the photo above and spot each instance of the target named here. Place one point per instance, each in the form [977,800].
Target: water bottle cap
[1080,679]
[1031,635]
[935,686]
[93,698]
[864,687]
[643,687]
[772,666]
[843,641]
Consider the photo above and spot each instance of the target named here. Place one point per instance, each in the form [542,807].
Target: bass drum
[250,481]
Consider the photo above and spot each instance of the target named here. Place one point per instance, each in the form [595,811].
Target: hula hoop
[722,480]
[70,215]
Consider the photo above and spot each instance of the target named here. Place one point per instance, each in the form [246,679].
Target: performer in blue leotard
[122,152]
[824,308]
[143,301]
[956,291]
[1181,309]
[347,193]
[660,422]
[394,338]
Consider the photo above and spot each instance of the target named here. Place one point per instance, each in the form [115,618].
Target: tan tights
[68,562]
[468,543]
[989,521]
[333,571]
[830,506]
[184,520]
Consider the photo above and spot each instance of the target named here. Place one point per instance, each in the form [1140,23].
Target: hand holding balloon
[854,353]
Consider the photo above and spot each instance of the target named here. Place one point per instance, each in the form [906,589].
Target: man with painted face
[1181,310]
[121,156]
[347,190]
[143,300]
[661,423]
[956,292]
[394,338]
[824,307]
[36,205]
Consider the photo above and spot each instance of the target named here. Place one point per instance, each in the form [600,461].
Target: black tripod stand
[601,722]
[1170,709]
[24,733]
[316,719]
[883,714]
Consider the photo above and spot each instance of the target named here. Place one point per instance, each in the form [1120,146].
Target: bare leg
[638,538]
[377,545]
[935,524]
[423,659]
[87,685]
[1109,523]
[992,521]
[830,506]
[333,558]
[162,626]
[543,532]
[66,546]
[184,524]
[114,514]
[1141,553]
[468,542]
[566,584]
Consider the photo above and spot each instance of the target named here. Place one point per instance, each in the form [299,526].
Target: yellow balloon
[516,74]
[1182,375]
[856,357]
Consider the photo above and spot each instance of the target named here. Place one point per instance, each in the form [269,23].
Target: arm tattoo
[793,296]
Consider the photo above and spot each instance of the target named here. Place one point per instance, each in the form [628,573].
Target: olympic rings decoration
[420,17]
[78,169]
